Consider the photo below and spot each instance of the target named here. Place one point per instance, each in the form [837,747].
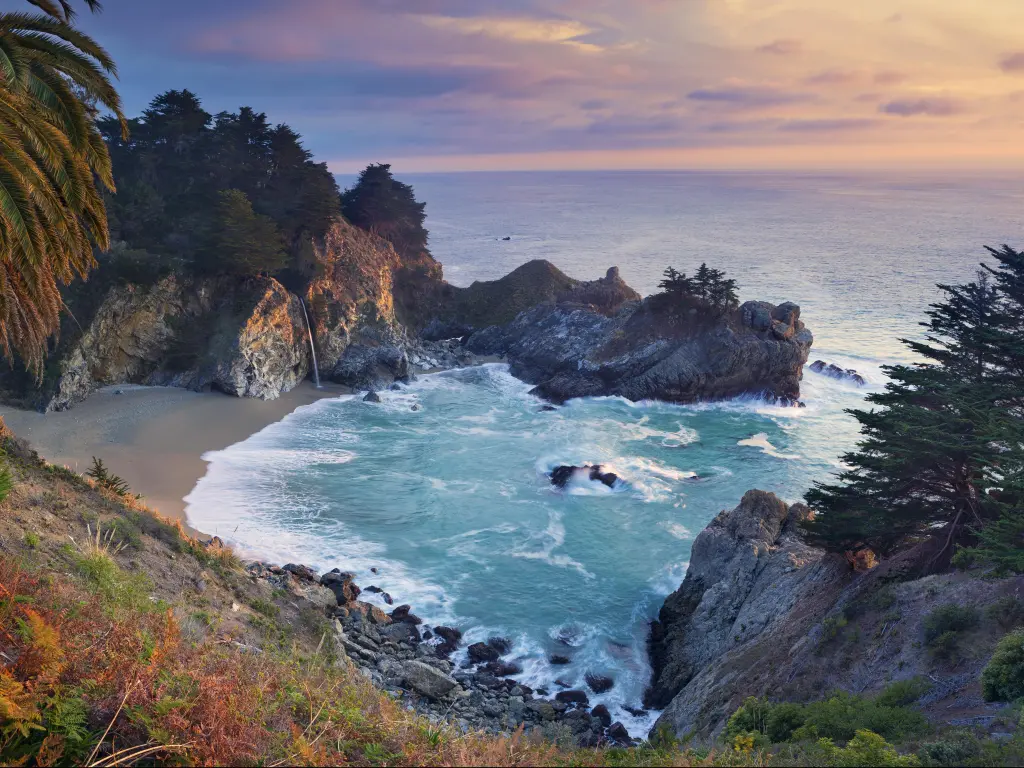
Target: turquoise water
[451,503]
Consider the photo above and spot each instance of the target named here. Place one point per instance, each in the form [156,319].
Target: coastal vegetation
[53,166]
[708,290]
[226,193]
[942,455]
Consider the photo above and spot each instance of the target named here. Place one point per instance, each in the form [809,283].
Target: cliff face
[761,613]
[640,350]
[371,311]
[241,337]
[359,340]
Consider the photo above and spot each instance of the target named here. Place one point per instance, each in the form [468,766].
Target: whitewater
[447,506]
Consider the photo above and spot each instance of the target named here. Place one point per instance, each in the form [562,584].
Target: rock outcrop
[643,350]
[833,371]
[399,653]
[461,311]
[762,613]
[359,340]
[244,338]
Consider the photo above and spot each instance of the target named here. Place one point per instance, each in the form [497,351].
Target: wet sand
[154,437]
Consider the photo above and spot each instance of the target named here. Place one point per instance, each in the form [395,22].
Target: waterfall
[309,330]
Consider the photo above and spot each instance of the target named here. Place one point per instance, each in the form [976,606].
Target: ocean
[450,502]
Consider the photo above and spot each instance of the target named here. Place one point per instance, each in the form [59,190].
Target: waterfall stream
[312,348]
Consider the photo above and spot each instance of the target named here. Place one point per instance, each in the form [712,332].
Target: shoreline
[154,437]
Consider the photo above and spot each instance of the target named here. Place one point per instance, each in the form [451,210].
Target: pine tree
[381,204]
[934,449]
[241,241]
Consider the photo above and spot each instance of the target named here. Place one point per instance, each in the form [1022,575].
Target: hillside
[123,639]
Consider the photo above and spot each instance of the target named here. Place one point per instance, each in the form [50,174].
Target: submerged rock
[560,476]
[371,397]
[599,683]
[835,372]
[482,652]
[558,660]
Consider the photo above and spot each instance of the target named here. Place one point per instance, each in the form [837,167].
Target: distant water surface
[451,503]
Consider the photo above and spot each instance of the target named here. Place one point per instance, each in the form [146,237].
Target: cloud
[748,96]
[828,125]
[889,78]
[592,104]
[833,77]
[518,30]
[1012,62]
[933,107]
[784,47]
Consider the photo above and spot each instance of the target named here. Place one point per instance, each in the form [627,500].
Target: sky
[443,85]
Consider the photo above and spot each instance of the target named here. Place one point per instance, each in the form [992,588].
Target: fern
[107,479]
[68,717]
[6,482]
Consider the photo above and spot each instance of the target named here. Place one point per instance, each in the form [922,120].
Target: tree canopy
[179,161]
[943,454]
[380,204]
[709,289]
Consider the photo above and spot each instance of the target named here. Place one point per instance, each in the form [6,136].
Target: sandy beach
[154,437]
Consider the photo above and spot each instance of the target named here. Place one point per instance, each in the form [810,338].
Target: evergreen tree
[708,289]
[381,204]
[242,241]
[940,442]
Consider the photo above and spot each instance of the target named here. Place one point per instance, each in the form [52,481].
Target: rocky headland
[762,613]
[377,317]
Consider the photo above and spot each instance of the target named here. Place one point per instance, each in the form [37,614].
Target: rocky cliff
[377,318]
[242,337]
[642,350]
[761,613]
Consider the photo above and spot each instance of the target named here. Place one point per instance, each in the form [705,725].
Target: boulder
[558,660]
[579,698]
[599,683]
[835,372]
[482,652]
[560,476]
[371,397]
[601,713]
[501,644]
[503,668]
[617,732]
[427,680]
[341,584]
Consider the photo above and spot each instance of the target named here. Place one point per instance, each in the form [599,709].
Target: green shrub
[268,609]
[31,540]
[107,479]
[949,618]
[751,717]
[903,692]
[1007,612]
[6,482]
[865,748]
[1003,677]
[955,748]
[783,720]
[838,717]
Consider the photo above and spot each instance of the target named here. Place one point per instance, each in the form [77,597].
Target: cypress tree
[940,440]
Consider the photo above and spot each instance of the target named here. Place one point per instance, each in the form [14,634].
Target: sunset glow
[504,84]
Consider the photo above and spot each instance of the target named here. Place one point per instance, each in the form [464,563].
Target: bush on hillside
[1003,677]
[838,717]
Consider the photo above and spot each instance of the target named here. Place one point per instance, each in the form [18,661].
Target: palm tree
[52,159]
